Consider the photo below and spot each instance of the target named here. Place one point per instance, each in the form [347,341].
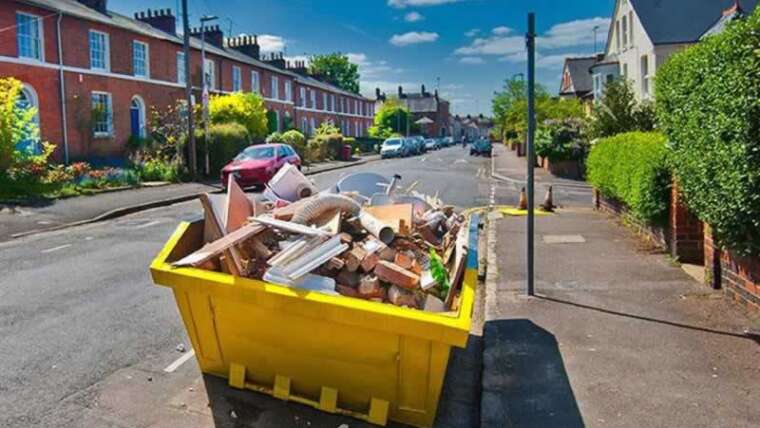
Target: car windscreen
[392,143]
[252,153]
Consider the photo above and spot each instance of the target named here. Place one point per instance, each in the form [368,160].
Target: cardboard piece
[237,207]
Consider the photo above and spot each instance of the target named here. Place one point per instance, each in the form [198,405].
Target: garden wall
[658,235]
[738,276]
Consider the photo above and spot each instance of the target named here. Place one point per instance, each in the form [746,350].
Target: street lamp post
[188,91]
[530,40]
[204,92]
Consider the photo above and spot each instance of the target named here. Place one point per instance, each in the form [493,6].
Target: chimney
[734,8]
[400,92]
[276,59]
[247,45]
[299,67]
[162,19]
[214,35]
[99,5]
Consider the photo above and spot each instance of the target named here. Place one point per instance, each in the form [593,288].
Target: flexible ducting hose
[322,204]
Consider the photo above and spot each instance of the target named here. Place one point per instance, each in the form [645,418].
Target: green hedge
[708,104]
[632,168]
[227,140]
[561,140]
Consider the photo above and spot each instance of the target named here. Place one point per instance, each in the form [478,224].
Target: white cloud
[472,33]
[574,33]
[413,37]
[413,17]
[494,45]
[501,31]
[471,60]
[271,43]
[371,69]
[553,61]
[516,57]
[400,4]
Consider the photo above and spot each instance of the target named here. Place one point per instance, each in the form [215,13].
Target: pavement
[47,215]
[617,335]
[86,338]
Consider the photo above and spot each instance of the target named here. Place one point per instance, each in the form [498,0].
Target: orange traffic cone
[523,204]
[548,204]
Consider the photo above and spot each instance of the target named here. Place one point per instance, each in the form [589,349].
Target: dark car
[481,147]
[256,165]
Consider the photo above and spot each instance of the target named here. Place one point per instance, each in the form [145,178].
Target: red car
[256,165]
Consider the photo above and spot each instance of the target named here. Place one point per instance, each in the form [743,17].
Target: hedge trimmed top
[708,104]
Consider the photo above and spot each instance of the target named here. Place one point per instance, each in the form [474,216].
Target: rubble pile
[366,238]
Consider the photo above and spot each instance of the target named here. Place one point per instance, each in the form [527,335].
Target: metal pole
[188,91]
[204,97]
[530,40]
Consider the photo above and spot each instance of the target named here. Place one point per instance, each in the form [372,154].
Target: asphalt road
[79,313]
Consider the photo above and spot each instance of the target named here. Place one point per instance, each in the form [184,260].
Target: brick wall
[738,276]
[686,234]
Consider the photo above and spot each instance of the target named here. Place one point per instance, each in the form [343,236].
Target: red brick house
[425,105]
[74,57]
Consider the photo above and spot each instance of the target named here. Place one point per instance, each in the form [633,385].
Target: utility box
[368,360]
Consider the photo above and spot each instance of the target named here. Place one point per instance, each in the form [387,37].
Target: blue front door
[134,115]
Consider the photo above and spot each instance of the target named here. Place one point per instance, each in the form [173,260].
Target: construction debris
[366,238]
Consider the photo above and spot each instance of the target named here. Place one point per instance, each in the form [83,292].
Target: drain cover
[564,239]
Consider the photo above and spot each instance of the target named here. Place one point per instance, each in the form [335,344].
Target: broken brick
[354,258]
[397,275]
[404,259]
[400,297]
[370,262]
[335,263]
[348,278]
[369,287]
[345,290]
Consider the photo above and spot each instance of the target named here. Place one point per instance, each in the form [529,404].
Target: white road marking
[60,247]
[460,161]
[179,361]
[149,224]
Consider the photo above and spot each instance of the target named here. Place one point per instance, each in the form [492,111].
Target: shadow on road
[527,384]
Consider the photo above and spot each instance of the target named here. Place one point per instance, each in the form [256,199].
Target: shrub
[618,112]
[160,170]
[245,108]
[16,126]
[560,140]
[226,141]
[275,138]
[296,140]
[632,168]
[708,104]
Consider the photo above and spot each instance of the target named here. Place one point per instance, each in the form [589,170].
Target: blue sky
[471,45]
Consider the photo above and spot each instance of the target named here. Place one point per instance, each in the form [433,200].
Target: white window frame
[181,70]
[305,125]
[312,126]
[109,123]
[41,37]
[146,59]
[630,28]
[288,90]
[106,50]
[302,96]
[209,68]
[332,103]
[324,101]
[313,99]
[255,82]
[274,87]
[237,79]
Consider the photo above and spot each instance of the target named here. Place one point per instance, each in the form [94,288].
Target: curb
[120,212]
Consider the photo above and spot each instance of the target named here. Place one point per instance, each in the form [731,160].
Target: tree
[16,124]
[247,109]
[619,112]
[336,68]
[390,119]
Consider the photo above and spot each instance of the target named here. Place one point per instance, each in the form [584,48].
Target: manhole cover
[564,239]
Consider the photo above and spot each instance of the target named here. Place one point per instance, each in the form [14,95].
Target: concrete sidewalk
[46,215]
[507,166]
[617,336]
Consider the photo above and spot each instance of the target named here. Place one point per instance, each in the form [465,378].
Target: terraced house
[77,57]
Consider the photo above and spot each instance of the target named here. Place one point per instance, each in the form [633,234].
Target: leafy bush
[160,170]
[560,140]
[245,108]
[296,140]
[632,168]
[16,126]
[275,138]
[708,104]
[618,112]
[226,141]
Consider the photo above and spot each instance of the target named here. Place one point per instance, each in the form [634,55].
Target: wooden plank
[222,245]
[238,206]
[213,227]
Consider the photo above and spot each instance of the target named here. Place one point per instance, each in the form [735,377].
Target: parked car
[256,165]
[481,146]
[419,144]
[431,144]
[449,141]
[395,147]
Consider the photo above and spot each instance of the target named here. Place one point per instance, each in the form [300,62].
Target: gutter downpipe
[63,92]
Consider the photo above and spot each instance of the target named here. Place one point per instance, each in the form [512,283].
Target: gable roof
[78,10]
[579,73]
[682,21]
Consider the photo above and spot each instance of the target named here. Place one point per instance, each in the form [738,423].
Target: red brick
[397,275]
